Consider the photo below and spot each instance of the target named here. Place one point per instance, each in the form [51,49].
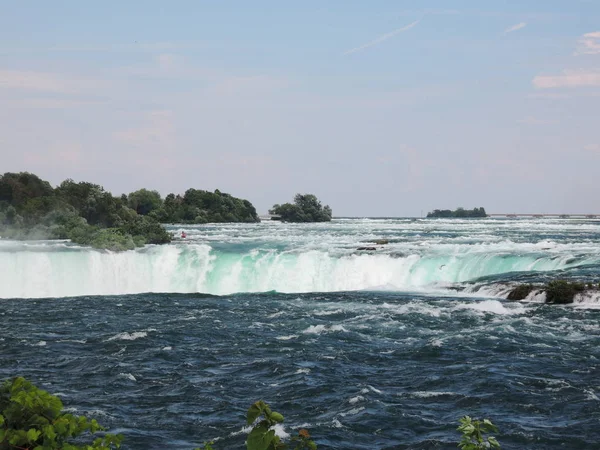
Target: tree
[31,419]
[18,188]
[306,208]
[458,212]
[144,201]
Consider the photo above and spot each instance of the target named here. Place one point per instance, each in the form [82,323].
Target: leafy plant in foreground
[262,436]
[32,419]
[474,434]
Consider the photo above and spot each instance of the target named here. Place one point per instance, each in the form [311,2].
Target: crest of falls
[422,255]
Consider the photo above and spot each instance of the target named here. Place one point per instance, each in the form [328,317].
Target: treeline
[195,206]
[306,208]
[458,212]
[30,208]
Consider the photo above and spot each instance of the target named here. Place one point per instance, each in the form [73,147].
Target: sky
[380,108]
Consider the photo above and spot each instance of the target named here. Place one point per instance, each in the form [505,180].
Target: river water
[381,349]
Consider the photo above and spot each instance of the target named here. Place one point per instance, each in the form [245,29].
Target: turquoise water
[422,255]
[386,349]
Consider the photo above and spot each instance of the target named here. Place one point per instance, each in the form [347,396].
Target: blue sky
[384,108]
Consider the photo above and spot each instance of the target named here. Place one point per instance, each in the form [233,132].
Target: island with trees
[306,208]
[457,213]
[85,213]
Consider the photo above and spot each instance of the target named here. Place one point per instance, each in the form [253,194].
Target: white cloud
[568,79]
[589,44]
[516,27]
[382,38]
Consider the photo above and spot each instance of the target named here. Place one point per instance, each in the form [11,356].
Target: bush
[112,239]
[262,436]
[562,291]
[32,419]
[306,208]
[147,228]
[474,434]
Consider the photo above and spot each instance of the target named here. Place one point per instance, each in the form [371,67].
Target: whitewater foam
[318,329]
[128,336]
[233,258]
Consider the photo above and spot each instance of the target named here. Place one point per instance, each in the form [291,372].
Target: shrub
[562,291]
[306,208]
[32,419]
[262,436]
[112,239]
[149,229]
[474,434]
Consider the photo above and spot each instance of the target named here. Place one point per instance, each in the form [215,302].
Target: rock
[368,249]
[520,292]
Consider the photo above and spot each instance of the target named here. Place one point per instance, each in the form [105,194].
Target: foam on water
[232,258]
[129,336]
[494,307]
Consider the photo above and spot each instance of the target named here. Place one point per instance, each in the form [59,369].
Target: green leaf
[276,417]
[260,437]
[33,434]
[493,442]
[254,411]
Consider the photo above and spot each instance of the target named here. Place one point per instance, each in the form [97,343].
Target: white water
[424,255]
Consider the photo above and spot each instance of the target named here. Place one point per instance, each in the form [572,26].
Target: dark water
[360,370]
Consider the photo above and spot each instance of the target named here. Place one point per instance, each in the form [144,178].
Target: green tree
[144,201]
[18,188]
[33,419]
[458,212]
[306,208]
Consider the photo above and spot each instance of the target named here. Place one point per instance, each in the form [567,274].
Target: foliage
[88,215]
[306,208]
[32,419]
[198,206]
[474,434]
[148,228]
[562,291]
[520,292]
[263,437]
[458,213]
[144,201]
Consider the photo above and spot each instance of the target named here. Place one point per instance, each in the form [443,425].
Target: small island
[30,208]
[457,213]
[306,208]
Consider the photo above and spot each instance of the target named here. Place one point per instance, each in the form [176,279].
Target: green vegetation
[88,215]
[457,213]
[474,434]
[562,291]
[520,292]
[32,419]
[198,206]
[306,208]
[262,436]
